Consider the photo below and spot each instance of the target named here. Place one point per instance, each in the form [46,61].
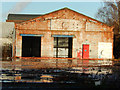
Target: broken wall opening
[31,46]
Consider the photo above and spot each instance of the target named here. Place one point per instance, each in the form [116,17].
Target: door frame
[39,46]
[82,49]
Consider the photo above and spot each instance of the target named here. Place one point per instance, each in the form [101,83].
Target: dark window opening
[31,46]
[63,47]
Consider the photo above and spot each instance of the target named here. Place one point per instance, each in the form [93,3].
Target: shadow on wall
[116,46]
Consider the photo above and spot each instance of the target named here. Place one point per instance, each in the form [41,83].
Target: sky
[88,8]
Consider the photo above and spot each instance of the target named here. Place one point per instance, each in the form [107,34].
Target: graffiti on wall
[105,50]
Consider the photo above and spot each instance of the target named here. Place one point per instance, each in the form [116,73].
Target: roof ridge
[68,9]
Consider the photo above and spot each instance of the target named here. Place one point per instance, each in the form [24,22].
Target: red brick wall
[91,33]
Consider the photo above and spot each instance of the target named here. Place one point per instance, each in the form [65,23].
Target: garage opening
[31,46]
[63,47]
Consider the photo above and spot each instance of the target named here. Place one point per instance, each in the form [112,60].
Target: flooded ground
[24,73]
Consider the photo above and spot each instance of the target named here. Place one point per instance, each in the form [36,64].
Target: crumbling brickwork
[65,22]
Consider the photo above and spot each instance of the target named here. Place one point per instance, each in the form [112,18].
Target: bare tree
[110,14]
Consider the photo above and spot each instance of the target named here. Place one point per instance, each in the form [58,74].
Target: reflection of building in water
[105,62]
[49,76]
[92,70]
[11,71]
[10,76]
[46,78]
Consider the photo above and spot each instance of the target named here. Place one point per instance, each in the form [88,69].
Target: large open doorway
[31,46]
[63,47]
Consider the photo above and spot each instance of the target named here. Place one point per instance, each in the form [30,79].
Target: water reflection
[66,71]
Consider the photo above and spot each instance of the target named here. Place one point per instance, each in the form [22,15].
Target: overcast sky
[88,7]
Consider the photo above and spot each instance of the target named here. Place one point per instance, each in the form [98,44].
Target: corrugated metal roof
[22,16]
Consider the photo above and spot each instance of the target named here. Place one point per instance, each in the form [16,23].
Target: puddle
[39,72]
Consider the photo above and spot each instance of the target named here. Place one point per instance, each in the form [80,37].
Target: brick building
[63,33]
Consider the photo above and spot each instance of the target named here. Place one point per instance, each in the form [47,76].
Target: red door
[85,51]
